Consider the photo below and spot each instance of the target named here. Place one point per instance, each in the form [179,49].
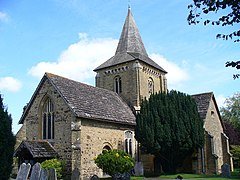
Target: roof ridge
[50,75]
[198,94]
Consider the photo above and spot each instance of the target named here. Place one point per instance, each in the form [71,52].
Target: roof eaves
[108,120]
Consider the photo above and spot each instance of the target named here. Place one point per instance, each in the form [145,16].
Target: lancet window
[48,120]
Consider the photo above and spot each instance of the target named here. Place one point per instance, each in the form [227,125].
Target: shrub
[114,161]
[53,163]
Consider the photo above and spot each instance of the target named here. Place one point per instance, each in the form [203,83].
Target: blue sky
[72,37]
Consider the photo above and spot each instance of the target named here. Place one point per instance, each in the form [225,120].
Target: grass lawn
[197,176]
[234,175]
[191,176]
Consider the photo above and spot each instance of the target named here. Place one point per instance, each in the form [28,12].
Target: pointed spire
[130,40]
[130,47]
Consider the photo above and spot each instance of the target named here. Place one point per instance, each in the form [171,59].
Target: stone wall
[134,77]
[209,157]
[227,157]
[63,118]
[214,127]
[95,135]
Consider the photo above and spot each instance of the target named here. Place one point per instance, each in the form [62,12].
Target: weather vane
[129,2]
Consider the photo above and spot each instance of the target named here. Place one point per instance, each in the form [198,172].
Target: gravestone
[75,174]
[225,170]
[43,174]
[121,176]
[52,174]
[35,174]
[138,169]
[94,177]
[23,171]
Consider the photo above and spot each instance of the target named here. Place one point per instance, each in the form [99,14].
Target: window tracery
[48,120]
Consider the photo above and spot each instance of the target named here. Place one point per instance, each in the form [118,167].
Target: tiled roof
[38,149]
[203,101]
[130,47]
[92,102]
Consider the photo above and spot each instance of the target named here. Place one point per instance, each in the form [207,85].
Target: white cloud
[79,59]
[176,74]
[10,84]
[220,100]
[3,17]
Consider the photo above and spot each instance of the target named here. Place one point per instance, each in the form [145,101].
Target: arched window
[106,148]
[48,120]
[150,86]
[128,142]
[118,84]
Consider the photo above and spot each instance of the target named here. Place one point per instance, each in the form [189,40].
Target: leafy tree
[235,150]
[229,15]
[169,127]
[7,142]
[114,161]
[232,134]
[231,112]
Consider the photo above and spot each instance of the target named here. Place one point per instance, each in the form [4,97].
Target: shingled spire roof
[130,40]
[130,47]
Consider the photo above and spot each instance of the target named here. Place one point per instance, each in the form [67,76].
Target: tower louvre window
[48,120]
[118,84]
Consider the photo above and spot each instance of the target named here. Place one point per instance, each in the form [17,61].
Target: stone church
[75,122]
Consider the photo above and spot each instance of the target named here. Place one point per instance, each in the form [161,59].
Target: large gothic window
[48,120]
[128,142]
[118,84]
[150,86]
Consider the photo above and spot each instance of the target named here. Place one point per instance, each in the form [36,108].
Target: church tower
[130,72]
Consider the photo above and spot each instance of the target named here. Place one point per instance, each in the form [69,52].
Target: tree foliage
[229,16]
[235,151]
[169,127]
[231,111]
[114,161]
[232,133]
[54,163]
[7,142]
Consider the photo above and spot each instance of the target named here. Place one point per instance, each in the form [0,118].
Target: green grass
[234,175]
[199,177]
[191,176]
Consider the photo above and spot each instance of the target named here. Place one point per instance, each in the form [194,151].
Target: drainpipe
[203,160]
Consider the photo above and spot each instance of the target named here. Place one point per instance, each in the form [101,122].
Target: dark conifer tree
[7,142]
[169,127]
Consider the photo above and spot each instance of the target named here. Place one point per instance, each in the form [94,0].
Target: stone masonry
[134,76]
[63,118]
